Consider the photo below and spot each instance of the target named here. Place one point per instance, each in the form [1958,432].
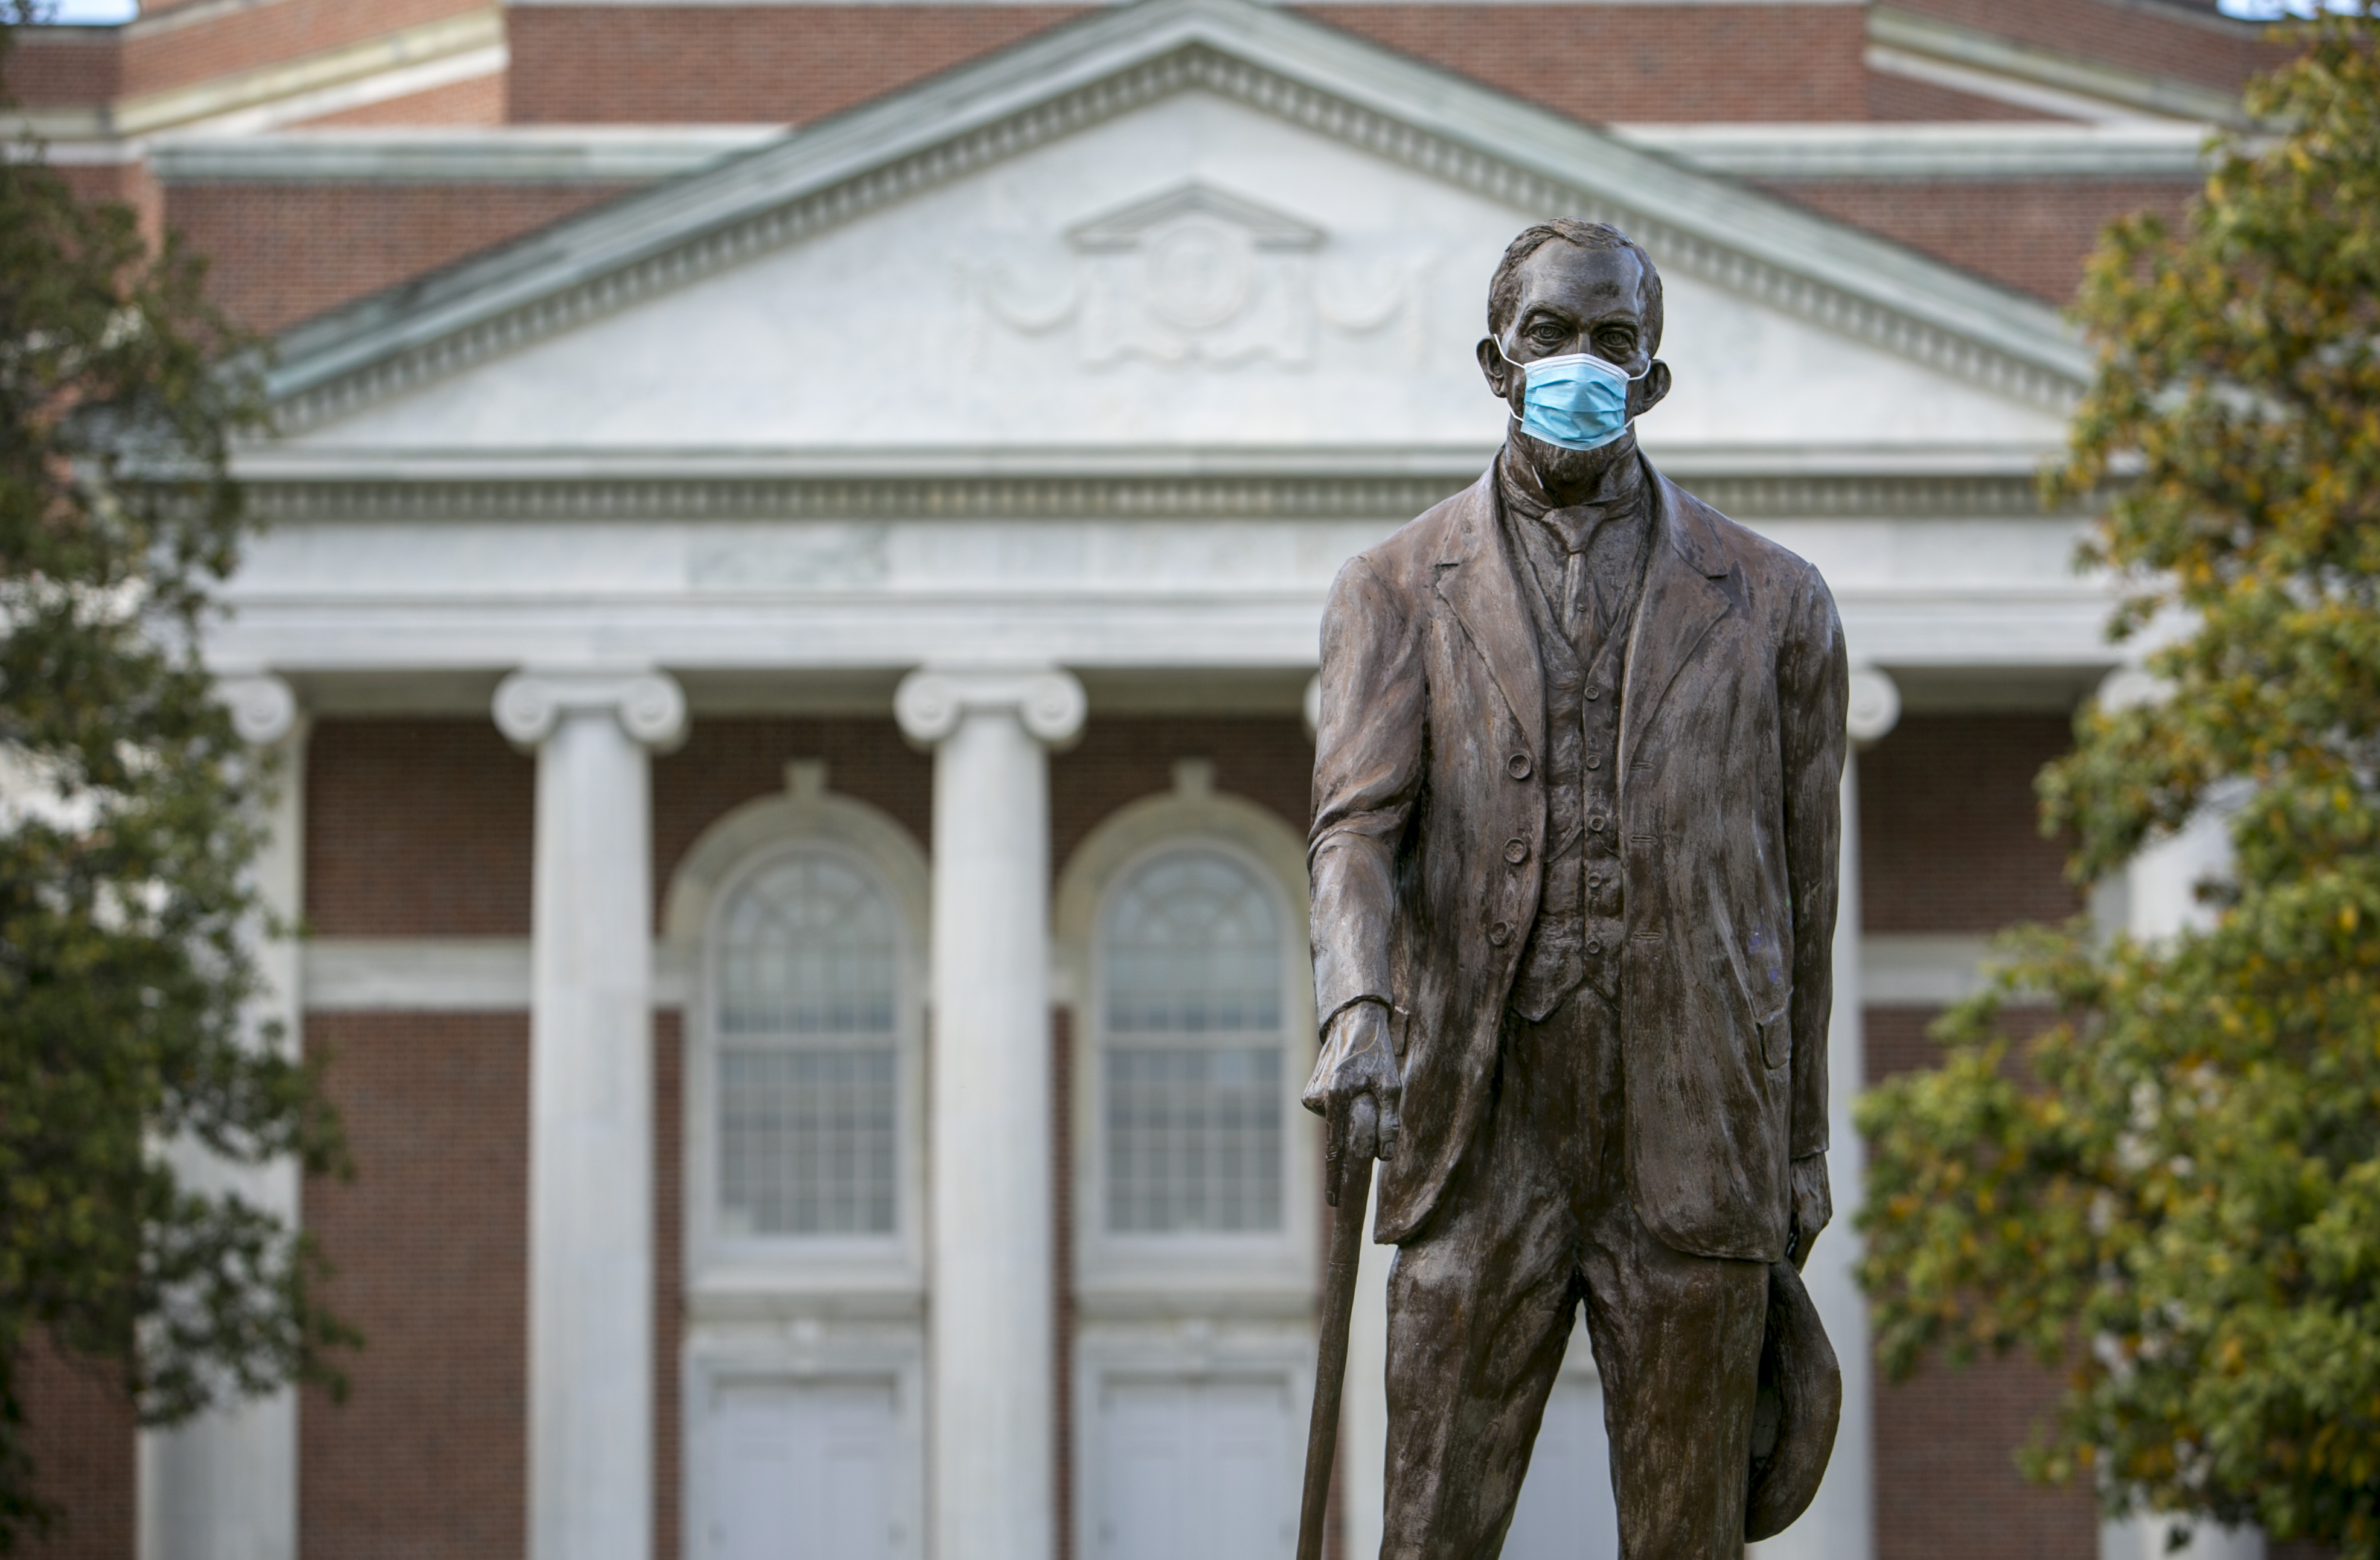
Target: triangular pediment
[1181,224]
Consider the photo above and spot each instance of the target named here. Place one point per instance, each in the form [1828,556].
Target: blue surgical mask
[1576,401]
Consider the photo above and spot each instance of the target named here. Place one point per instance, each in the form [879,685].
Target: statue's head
[1568,288]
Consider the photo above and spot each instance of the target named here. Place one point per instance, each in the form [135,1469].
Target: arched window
[1191,1014]
[808,1021]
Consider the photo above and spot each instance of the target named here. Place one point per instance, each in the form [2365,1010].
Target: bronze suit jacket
[1429,818]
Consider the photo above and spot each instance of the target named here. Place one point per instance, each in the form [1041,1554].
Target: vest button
[1594,944]
[1516,851]
[1593,695]
[1595,879]
[1500,933]
[1595,763]
[1594,823]
[1517,766]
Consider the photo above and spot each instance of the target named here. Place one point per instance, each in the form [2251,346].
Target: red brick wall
[1062,1262]
[2152,39]
[726,763]
[1949,837]
[175,51]
[669,1279]
[1602,63]
[284,252]
[1267,760]
[1898,97]
[649,64]
[79,1430]
[61,67]
[1949,843]
[1946,1486]
[427,1456]
[2032,235]
[417,828]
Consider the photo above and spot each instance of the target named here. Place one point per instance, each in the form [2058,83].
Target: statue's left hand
[1814,1205]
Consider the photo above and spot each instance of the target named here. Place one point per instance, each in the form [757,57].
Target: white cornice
[1091,70]
[469,36]
[638,153]
[1975,61]
[459,154]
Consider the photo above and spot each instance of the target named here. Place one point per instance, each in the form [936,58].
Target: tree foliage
[129,819]
[2174,1190]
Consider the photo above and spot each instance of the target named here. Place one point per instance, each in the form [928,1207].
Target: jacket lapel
[1477,580]
[1679,605]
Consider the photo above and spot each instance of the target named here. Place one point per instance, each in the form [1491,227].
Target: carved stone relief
[1197,275]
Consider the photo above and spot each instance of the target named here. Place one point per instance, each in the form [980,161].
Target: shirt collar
[1619,495]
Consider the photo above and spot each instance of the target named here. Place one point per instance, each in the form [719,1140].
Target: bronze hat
[1793,1419]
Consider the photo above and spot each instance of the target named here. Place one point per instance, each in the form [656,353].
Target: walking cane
[1348,1188]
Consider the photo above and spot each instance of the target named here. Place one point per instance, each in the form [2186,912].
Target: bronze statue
[1574,894]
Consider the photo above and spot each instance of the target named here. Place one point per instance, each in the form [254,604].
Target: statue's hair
[1504,287]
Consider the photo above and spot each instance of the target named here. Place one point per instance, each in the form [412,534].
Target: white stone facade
[1058,386]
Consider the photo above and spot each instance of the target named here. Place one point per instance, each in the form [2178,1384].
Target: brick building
[796,535]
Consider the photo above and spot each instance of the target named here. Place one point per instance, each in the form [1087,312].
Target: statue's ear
[1652,390]
[1502,378]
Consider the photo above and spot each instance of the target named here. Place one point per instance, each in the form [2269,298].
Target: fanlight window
[807,1027]
[1191,954]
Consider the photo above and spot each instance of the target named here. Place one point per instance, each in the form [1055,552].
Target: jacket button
[1516,851]
[1593,695]
[1594,823]
[1594,944]
[1595,763]
[1517,766]
[1500,933]
[1595,879]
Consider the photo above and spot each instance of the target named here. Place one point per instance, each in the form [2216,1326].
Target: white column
[591,1274]
[225,1485]
[1840,1523]
[989,1337]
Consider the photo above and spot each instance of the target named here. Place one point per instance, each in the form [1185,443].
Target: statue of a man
[1573,885]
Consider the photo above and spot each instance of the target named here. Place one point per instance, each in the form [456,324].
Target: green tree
[129,817]
[2173,1191]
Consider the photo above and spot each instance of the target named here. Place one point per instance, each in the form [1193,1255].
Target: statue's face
[1577,300]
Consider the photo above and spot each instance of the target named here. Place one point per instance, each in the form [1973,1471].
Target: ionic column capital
[1047,702]
[649,704]
[1874,706]
[263,706]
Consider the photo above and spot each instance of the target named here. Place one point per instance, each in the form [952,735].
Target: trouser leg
[1480,1307]
[1677,1341]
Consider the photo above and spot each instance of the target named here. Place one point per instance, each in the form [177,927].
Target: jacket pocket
[1776,1038]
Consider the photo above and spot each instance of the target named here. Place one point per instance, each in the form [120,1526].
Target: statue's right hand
[1356,1089]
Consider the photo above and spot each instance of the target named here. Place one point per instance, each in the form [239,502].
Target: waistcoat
[1579,931]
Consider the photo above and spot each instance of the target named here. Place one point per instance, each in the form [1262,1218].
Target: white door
[1566,1511]
[804,1471]
[1192,1471]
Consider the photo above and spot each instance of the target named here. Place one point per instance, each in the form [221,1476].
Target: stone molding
[1743,496]
[263,706]
[930,703]
[1020,100]
[649,705]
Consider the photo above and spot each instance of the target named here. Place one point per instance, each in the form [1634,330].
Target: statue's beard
[1570,473]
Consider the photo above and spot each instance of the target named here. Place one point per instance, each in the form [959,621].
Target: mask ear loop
[1631,379]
